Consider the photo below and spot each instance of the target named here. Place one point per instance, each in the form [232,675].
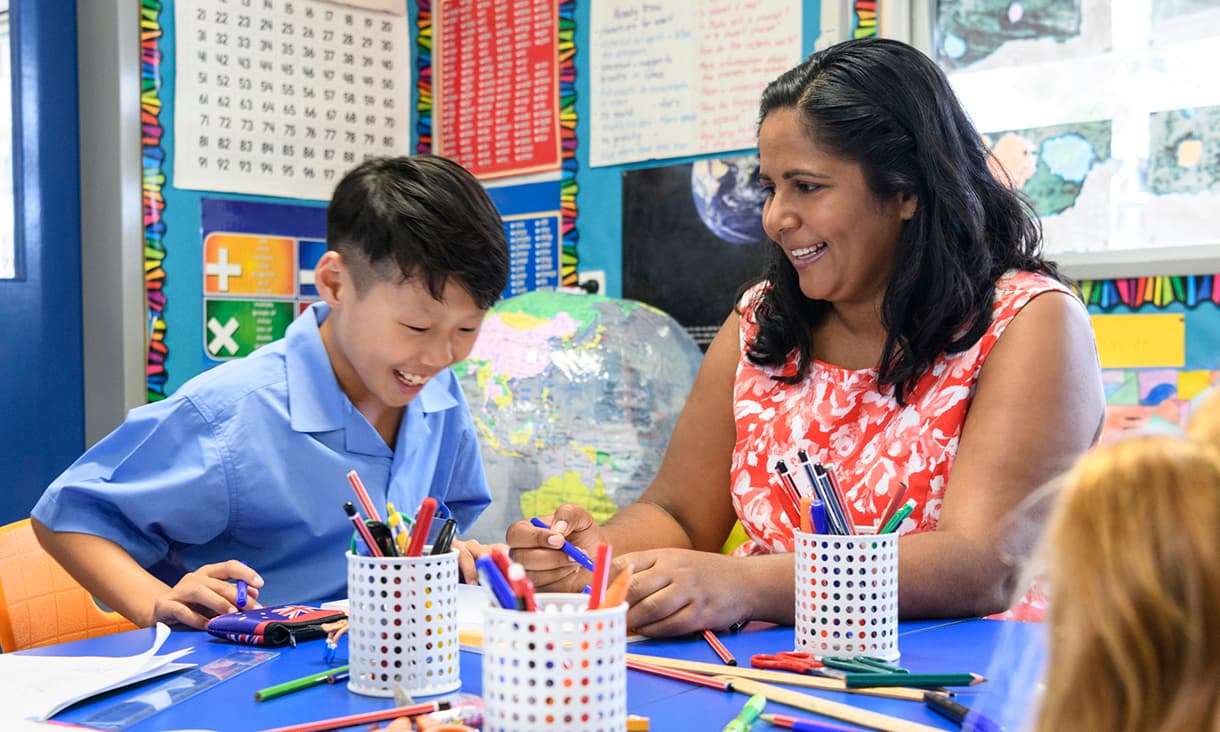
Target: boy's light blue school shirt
[249,461]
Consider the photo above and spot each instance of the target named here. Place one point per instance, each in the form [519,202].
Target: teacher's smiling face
[842,239]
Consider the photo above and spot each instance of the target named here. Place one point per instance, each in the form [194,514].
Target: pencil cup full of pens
[847,594]
[402,624]
[560,669]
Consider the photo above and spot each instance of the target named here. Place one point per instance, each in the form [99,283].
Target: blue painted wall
[41,377]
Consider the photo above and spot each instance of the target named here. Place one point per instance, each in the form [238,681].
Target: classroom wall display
[679,79]
[496,85]
[532,224]
[258,263]
[1104,112]
[566,46]
[1159,344]
[151,134]
[281,97]
[692,235]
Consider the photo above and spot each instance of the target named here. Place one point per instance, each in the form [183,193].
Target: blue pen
[817,515]
[490,577]
[568,547]
[241,593]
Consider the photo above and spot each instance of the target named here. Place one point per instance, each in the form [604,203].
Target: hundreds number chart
[282,97]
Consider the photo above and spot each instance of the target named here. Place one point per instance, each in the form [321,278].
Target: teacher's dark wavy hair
[886,106]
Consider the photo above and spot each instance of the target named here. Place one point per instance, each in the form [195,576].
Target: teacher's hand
[540,550]
[678,591]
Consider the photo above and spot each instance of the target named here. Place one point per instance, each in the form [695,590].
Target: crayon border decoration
[864,18]
[151,133]
[569,257]
[1160,291]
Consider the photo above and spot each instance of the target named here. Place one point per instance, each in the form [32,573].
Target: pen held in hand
[568,547]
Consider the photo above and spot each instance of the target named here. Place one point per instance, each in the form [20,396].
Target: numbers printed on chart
[286,95]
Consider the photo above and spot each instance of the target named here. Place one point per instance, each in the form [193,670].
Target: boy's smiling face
[387,341]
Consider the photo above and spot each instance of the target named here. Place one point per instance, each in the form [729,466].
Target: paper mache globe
[574,397]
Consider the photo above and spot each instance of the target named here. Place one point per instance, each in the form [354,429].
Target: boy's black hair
[422,217]
[889,108]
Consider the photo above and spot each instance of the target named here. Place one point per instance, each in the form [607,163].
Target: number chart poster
[258,263]
[281,97]
[497,85]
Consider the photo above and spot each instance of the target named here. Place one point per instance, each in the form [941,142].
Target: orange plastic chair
[40,603]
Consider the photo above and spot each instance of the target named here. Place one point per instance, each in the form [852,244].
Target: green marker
[745,718]
[899,516]
[305,682]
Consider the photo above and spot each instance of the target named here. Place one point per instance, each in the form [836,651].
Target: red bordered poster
[496,65]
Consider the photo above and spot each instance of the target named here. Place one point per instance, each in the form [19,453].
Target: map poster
[496,64]
[258,261]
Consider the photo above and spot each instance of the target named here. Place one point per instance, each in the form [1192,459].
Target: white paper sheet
[36,687]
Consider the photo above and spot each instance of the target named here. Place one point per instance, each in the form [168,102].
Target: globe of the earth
[728,198]
[574,398]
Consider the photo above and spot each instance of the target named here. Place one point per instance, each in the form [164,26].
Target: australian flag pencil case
[278,625]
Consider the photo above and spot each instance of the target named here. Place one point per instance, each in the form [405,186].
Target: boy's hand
[206,593]
[470,550]
[540,550]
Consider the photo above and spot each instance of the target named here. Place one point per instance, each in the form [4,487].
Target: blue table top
[955,645]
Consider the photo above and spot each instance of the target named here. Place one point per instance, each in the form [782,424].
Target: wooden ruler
[781,677]
[826,708]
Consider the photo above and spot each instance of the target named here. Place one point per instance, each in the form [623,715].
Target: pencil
[719,648]
[853,680]
[679,675]
[804,725]
[305,682]
[353,720]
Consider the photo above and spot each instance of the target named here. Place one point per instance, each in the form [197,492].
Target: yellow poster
[1141,341]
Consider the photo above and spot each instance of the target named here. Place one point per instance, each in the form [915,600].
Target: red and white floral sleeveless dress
[840,419]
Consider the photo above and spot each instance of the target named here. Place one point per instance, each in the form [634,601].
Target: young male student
[240,474]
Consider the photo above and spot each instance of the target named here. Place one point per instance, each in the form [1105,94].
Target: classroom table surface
[926,646]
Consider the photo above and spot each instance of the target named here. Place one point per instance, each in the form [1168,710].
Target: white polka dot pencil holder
[561,669]
[402,624]
[847,595]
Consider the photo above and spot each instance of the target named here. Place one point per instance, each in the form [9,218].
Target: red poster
[496,106]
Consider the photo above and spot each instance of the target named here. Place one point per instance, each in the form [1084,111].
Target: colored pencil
[679,675]
[853,680]
[304,682]
[353,720]
[827,708]
[806,681]
[719,648]
[804,725]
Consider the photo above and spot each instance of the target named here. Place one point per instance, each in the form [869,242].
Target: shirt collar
[315,399]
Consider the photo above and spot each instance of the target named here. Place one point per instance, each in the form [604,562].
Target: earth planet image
[729,198]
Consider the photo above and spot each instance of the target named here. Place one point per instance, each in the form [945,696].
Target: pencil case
[277,625]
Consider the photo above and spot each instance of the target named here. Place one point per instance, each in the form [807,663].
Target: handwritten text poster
[682,77]
[497,85]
